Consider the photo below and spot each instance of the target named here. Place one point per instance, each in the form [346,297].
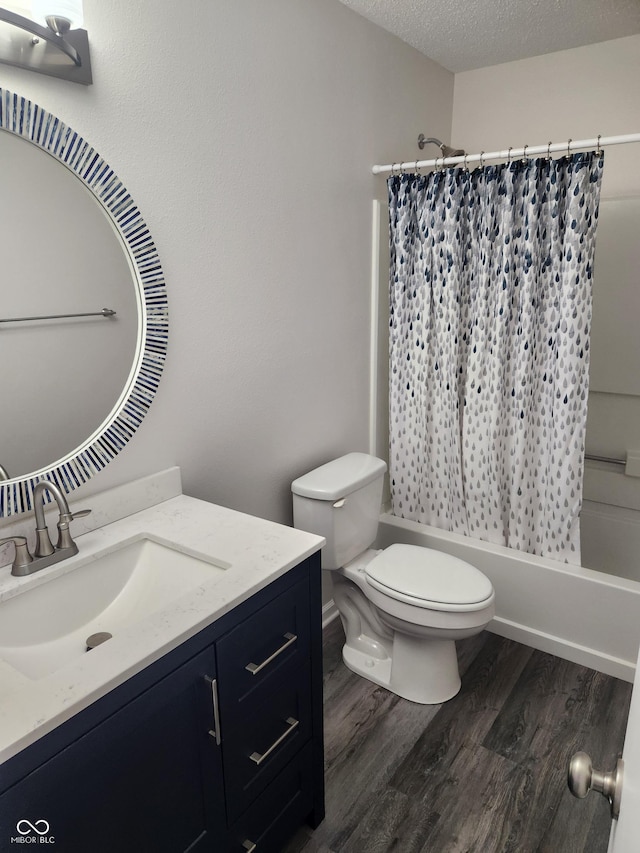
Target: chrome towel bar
[608,459]
[106,312]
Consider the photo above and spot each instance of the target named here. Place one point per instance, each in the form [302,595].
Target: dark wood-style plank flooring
[482,773]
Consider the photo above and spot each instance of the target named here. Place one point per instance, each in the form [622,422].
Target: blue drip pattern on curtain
[490,301]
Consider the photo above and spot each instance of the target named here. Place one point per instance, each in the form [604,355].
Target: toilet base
[422,671]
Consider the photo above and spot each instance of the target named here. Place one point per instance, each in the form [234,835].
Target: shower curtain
[490,315]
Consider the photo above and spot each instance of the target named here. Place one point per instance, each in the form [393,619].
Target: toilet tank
[341,501]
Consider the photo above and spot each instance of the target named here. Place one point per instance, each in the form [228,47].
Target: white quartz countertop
[256,551]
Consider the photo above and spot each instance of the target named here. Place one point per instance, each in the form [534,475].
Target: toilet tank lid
[339,477]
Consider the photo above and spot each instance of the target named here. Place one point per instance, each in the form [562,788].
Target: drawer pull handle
[254,668]
[249,846]
[293,724]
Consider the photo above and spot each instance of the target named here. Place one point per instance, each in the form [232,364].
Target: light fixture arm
[42,33]
[41,48]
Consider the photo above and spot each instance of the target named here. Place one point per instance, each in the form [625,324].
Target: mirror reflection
[61,255]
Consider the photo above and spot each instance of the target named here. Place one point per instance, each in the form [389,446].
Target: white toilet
[402,608]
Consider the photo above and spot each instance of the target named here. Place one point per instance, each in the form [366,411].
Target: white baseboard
[565,649]
[329,613]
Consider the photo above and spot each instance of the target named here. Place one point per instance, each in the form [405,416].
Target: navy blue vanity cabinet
[215,747]
[136,782]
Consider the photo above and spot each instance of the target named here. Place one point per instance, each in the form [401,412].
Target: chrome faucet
[45,554]
[44,548]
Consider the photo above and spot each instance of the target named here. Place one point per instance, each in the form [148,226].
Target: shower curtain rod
[511,153]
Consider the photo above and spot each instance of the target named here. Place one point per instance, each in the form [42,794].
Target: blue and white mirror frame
[25,119]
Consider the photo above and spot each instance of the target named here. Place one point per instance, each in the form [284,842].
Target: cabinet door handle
[254,668]
[292,724]
[215,733]
[249,846]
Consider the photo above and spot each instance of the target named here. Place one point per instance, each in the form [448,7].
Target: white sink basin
[46,627]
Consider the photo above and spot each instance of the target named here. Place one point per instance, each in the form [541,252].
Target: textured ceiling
[465,34]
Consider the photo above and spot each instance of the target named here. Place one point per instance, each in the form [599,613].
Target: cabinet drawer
[262,742]
[278,811]
[262,649]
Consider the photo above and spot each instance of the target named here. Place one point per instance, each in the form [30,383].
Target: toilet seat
[424,577]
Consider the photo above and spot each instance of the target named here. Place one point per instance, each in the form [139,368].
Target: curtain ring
[482,159]
[524,154]
[465,164]
[569,147]
[599,150]
[549,150]
[509,155]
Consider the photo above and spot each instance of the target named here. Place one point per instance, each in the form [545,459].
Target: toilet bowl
[402,608]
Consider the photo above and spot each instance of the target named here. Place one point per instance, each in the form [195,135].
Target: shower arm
[447,151]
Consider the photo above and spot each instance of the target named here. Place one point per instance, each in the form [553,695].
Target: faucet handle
[64,536]
[66,517]
[79,513]
[22,557]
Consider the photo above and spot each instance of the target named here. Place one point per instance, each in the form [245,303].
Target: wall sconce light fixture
[51,44]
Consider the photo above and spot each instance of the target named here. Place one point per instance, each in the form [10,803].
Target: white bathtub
[580,614]
[610,539]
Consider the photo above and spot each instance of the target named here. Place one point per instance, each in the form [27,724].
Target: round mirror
[83,328]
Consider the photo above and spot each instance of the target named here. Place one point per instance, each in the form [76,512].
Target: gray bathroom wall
[246,132]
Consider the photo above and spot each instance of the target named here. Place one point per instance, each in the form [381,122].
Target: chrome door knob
[583,778]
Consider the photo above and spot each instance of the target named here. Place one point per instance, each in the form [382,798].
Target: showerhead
[447,151]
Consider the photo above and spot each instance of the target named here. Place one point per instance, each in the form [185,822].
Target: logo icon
[40,827]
